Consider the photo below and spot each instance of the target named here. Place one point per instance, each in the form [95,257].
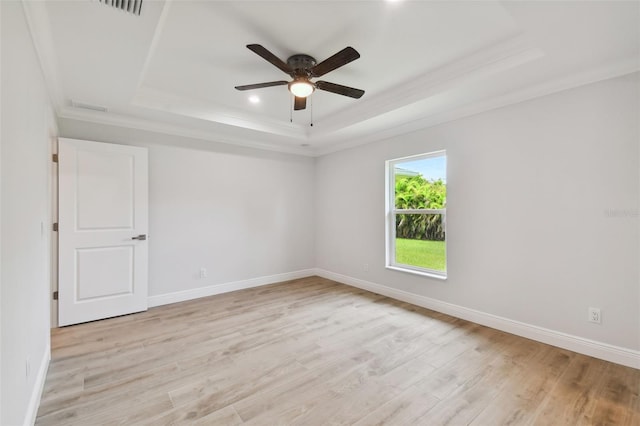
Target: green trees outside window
[416,192]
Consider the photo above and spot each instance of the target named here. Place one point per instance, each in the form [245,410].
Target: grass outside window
[422,253]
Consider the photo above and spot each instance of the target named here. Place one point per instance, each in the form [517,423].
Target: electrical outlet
[365,267]
[594,315]
[203,272]
[27,367]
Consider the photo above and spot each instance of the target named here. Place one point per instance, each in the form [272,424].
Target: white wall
[238,212]
[27,129]
[542,213]
[1,138]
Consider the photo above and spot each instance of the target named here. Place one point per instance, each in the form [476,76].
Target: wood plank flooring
[315,352]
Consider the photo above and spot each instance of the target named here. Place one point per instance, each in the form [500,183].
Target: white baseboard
[181,296]
[616,354]
[38,387]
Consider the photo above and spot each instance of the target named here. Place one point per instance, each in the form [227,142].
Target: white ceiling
[173,68]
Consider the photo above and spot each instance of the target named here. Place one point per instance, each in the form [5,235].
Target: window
[416,214]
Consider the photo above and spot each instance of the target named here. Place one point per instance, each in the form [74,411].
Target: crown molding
[119,120]
[485,62]
[566,83]
[606,72]
[164,101]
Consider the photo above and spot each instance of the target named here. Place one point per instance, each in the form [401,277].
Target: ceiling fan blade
[270,57]
[299,103]
[339,89]
[261,85]
[341,58]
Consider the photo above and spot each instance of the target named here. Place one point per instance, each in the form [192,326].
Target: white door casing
[103,205]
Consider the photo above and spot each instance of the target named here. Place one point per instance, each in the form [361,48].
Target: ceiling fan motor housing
[301,64]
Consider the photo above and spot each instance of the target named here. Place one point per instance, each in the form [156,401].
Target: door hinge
[55,295]
[54,158]
[55,227]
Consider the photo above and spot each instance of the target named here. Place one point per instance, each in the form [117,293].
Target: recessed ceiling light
[254,99]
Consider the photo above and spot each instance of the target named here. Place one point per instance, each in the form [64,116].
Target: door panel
[104,272]
[103,203]
[105,192]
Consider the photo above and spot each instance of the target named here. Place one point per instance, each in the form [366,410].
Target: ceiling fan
[302,68]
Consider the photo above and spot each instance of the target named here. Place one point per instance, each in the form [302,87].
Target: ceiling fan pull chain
[311,110]
[291,110]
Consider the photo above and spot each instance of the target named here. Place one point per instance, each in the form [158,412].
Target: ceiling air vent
[92,107]
[129,6]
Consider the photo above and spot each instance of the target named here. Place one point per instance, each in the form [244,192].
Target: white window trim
[390,222]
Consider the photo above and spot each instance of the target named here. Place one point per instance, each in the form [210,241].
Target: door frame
[54,234]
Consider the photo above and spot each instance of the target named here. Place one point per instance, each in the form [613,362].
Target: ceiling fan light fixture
[301,88]
[302,68]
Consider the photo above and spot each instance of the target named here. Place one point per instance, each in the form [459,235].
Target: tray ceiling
[173,68]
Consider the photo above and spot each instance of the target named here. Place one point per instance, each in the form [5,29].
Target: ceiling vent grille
[85,105]
[129,6]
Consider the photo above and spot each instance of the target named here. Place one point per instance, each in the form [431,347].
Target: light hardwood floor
[313,352]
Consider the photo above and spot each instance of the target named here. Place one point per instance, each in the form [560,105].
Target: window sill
[415,272]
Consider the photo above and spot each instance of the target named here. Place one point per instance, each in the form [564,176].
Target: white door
[102,230]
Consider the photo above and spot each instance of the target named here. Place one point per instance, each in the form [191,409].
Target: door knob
[140,237]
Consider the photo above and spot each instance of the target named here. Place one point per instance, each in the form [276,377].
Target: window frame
[391,212]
